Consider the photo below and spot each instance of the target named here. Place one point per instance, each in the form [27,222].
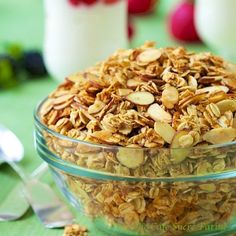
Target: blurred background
[66,36]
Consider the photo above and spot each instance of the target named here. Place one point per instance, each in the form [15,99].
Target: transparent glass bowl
[157,192]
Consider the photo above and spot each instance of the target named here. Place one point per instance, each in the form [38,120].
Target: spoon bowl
[10,146]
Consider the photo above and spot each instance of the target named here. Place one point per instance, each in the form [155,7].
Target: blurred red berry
[130,30]
[89,2]
[110,1]
[140,6]
[181,22]
[75,2]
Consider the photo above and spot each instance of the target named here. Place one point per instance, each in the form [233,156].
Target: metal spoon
[12,147]
[51,211]
[9,211]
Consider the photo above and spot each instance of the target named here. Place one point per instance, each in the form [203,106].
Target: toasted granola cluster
[145,97]
[150,107]
[75,230]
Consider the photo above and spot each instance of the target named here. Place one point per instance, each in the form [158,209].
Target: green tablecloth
[22,21]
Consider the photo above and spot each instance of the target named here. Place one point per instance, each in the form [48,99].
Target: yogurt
[77,37]
[216,24]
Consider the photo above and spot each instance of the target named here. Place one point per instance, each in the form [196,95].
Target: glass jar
[216,25]
[80,35]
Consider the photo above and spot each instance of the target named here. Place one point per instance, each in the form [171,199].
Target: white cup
[216,24]
[77,37]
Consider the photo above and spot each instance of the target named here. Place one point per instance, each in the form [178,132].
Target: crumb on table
[75,230]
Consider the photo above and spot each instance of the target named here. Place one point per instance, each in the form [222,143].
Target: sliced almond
[192,82]
[78,105]
[62,105]
[96,107]
[124,92]
[192,100]
[230,81]
[149,55]
[125,129]
[85,113]
[170,97]
[157,113]
[178,154]
[164,130]
[141,98]
[175,141]
[226,105]
[186,141]
[131,158]
[212,89]
[103,135]
[220,135]
[76,78]
[216,97]
[209,79]
[63,98]
[53,117]
[208,187]
[133,83]
[46,107]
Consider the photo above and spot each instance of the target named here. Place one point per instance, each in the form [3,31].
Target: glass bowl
[144,191]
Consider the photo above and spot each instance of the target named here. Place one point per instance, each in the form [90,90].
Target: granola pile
[149,107]
[144,97]
[148,98]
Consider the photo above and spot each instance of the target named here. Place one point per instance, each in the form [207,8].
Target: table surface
[22,21]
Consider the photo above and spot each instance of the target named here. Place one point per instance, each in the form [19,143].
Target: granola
[147,207]
[75,230]
[135,88]
[155,111]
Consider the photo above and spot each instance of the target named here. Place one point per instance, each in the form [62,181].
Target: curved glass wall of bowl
[145,191]
[216,25]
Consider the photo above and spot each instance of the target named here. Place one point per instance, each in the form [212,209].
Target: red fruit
[110,1]
[130,31]
[89,2]
[75,2]
[181,23]
[140,6]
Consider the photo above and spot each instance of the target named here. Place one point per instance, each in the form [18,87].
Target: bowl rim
[70,168]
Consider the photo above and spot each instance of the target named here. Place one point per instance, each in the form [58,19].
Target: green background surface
[22,21]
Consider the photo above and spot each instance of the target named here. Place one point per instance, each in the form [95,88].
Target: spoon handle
[39,171]
[14,205]
[50,210]
[19,171]
[10,211]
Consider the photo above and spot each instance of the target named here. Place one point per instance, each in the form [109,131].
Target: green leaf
[7,75]
[14,49]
